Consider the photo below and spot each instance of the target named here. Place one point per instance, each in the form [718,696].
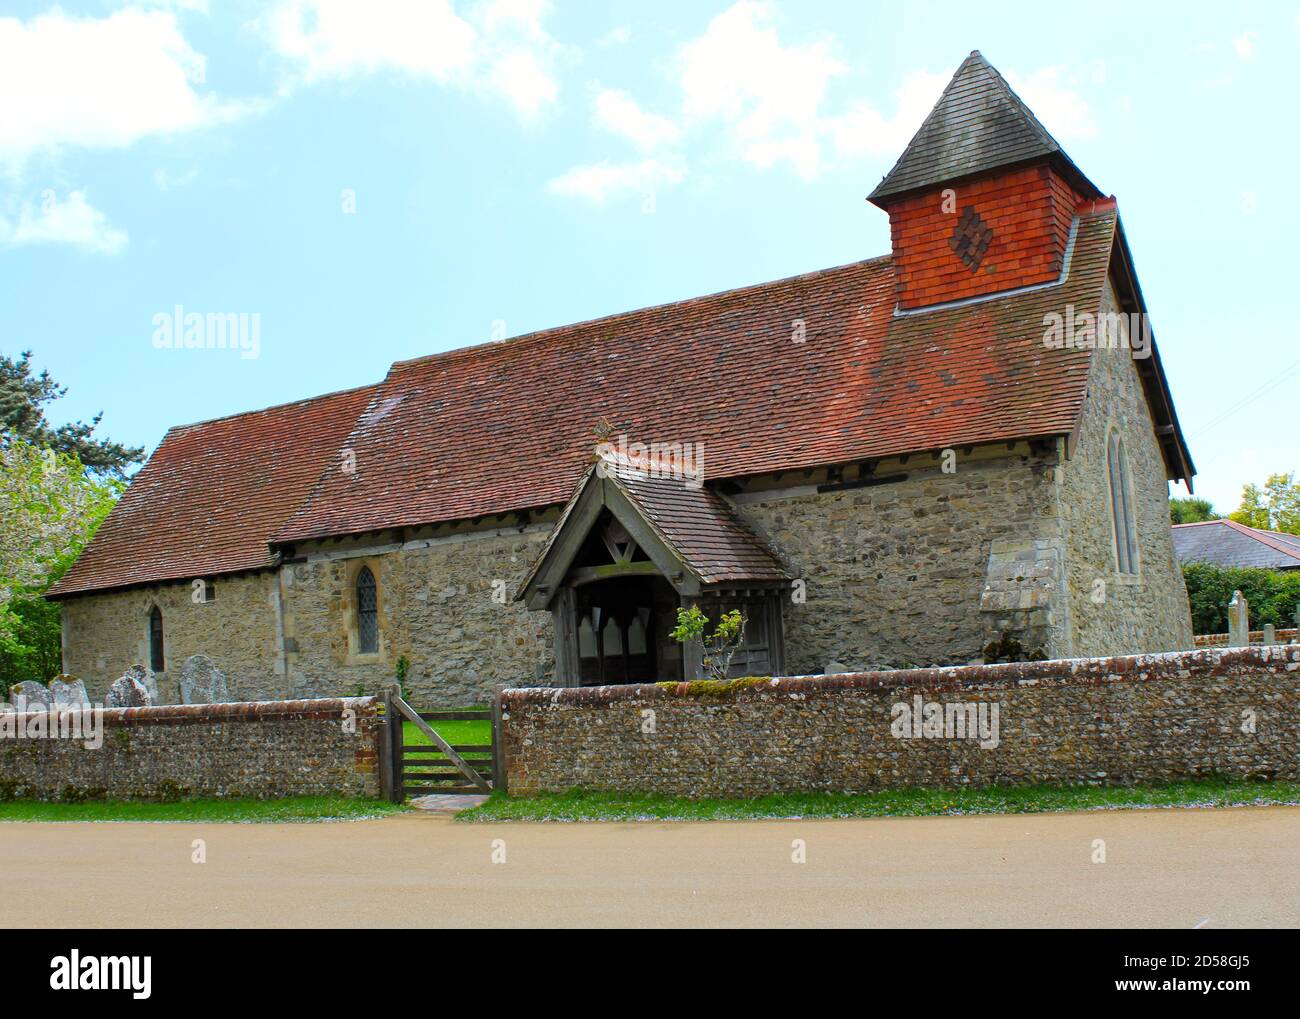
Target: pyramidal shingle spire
[978,124]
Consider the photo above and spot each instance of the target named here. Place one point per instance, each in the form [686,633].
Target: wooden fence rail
[416,769]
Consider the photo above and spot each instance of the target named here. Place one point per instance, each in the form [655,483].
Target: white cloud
[618,112]
[864,131]
[1244,44]
[598,182]
[74,221]
[772,96]
[99,82]
[1063,111]
[165,180]
[501,47]
[615,37]
[337,38]
[768,93]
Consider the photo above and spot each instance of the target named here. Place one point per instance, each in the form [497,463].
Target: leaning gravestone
[127,692]
[30,696]
[202,682]
[145,677]
[68,692]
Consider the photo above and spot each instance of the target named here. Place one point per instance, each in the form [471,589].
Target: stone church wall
[104,634]
[1122,614]
[914,573]
[447,607]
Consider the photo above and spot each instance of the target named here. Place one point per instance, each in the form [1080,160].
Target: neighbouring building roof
[978,124]
[1228,543]
[213,492]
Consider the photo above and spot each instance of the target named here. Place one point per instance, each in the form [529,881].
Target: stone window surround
[1133,577]
[352,568]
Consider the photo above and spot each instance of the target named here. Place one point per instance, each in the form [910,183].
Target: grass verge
[290,808]
[586,805]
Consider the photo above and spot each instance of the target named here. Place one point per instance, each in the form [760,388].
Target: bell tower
[982,200]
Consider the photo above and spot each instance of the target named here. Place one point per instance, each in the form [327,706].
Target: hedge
[1273,596]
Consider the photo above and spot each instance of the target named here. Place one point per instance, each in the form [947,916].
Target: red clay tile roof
[701,527]
[213,492]
[513,425]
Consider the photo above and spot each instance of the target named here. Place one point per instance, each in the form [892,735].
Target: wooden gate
[417,769]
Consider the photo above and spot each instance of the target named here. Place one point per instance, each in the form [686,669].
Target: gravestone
[145,677]
[202,682]
[1270,635]
[68,692]
[127,692]
[835,668]
[1238,621]
[30,696]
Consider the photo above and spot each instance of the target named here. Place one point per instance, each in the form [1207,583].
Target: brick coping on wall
[237,711]
[1060,672]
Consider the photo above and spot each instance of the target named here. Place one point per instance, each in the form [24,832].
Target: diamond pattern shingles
[213,492]
[512,425]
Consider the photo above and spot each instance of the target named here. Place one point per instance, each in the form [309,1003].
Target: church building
[953,452]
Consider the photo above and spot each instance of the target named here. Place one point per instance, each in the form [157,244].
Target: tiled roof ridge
[300,402]
[1262,536]
[537,335]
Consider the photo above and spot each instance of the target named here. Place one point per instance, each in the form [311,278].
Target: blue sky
[385,179]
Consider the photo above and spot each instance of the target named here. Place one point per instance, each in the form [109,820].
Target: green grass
[291,808]
[455,733]
[583,805]
[477,733]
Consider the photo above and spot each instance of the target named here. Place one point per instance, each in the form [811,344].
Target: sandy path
[1175,868]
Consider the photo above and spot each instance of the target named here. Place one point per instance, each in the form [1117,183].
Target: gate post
[393,723]
[384,750]
[498,748]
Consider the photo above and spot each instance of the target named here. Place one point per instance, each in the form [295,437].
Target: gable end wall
[1148,612]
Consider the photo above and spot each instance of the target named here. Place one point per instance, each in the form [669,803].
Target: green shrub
[1273,596]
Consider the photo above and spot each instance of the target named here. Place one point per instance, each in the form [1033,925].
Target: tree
[50,507]
[720,646]
[1273,595]
[23,397]
[1274,508]
[1191,510]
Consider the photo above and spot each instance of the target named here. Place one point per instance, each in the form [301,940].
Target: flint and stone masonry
[262,750]
[1104,721]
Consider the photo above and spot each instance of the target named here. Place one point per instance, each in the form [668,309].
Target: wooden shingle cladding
[978,124]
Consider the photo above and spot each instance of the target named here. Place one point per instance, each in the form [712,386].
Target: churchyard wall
[1103,721]
[266,749]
